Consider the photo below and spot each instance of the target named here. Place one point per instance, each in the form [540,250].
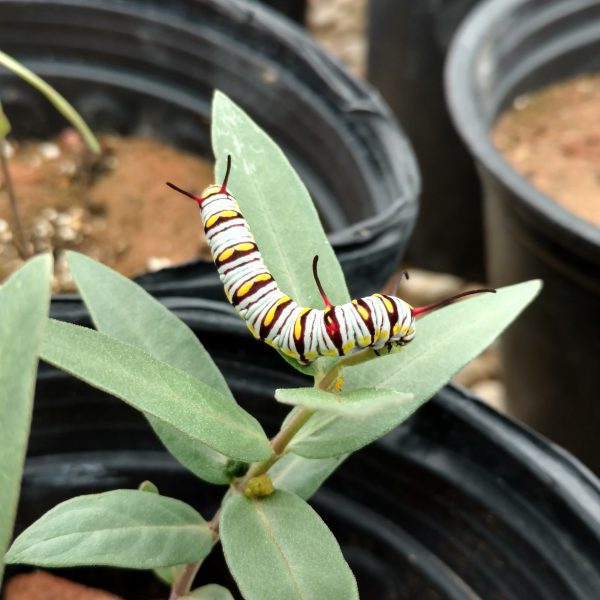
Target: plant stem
[184,582]
[279,443]
[20,240]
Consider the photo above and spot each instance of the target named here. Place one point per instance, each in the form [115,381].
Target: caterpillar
[302,333]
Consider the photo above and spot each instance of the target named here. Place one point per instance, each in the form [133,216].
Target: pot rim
[392,179]
[564,227]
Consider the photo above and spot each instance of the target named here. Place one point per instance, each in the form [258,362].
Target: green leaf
[59,102]
[4,123]
[123,310]
[446,340]
[204,462]
[356,403]
[24,300]
[150,326]
[148,486]
[327,434]
[157,389]
[277,206]
[278,547]
[169,575]
[122,528]
[212,591]
[302,476]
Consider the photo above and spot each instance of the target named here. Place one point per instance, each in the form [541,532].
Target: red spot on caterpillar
[332,328]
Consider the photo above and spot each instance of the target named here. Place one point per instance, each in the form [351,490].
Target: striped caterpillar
[302,333]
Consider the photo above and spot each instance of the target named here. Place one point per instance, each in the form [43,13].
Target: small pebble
[70,138]
[49,151]
[49,213]
[63,219]
[67,167]
[9,150]
[77,213]
[111,162]
[42,229]
[6,236]
[520,102]
[156,263]
[66,234]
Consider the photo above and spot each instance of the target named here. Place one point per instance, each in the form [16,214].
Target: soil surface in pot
[552,137]
[115,207]
[44,586]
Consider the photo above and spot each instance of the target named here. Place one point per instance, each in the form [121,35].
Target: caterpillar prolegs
[303,333]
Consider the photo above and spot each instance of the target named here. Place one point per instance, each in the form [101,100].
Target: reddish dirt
[115,208]
[552,137]
[44,586]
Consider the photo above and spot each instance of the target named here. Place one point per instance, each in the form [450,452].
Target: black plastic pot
[550,355]
[294,9]
[150,67]
[459,502]
[408,41]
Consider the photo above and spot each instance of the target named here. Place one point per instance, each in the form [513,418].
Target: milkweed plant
[275,545]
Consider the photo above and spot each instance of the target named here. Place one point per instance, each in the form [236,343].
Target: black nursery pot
[459,502]
[507,48]
[293,9]
[150,67]
[408,41]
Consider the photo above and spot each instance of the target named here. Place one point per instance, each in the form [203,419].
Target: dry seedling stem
[20,240]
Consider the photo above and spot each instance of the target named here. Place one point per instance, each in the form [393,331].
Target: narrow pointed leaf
[157,389]
[125,311]
[273,199]
[327,434]
[278,208]
[24,300]
[356,403]
[122,528]
[278,547]
[446,340]
[212,591]
[302,476]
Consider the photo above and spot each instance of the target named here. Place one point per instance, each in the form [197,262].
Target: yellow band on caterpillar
[271,314]
[220,215]
[298,324]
